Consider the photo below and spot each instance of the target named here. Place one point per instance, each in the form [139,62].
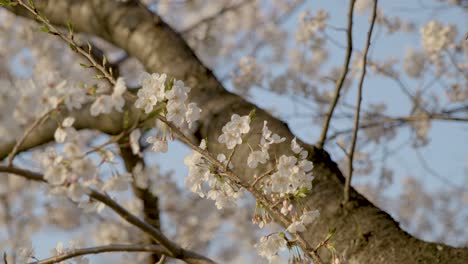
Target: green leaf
[252,114]
[72,47]
[7,3]
[44,29]
[85,65]
[126,120]
[104,60]
[70,27]
[92,90]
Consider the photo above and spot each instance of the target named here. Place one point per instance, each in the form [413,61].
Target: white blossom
[230,138]
[255,157]
[437,37]
[309,217]
[414,63]
[146,100]
[176,111]
[179,92]
[56,174]
[269,138]
[68,121]
[62,131]
[134,141]
[154,84]
[104,103]
[117,183]
[298,149]
[158,145]
[75,192]
[233,130]
[60,135]
[90,206]
[269,245]
[141,178]
[193,114]
[83,168]
[296,227]
[117,95]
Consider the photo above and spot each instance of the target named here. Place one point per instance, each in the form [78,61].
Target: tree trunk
[364,233]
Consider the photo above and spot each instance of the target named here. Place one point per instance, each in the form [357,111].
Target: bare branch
[26,133]
[149,200]
[102,249]
[175,250]
[397,121]
[358,105]
[342,78]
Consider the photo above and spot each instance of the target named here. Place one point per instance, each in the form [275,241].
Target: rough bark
[364,233]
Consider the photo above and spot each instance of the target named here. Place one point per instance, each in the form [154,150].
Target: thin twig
[69,40]
[358,106]
[259,178]
[400,121]
[26,133]
[102,249]
[341,80]
[230,158]
[162,260]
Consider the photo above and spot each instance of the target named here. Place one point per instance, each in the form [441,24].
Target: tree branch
[341,80]
[150,201]
[175,250]
[397,121]
[358,106]
[102,249]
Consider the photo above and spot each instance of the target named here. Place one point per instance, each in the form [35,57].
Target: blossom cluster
[269,245]
[267,139]
[205,182]
[292,175]
[309,25]
[293,172]
[250,73]
[437,37]
[154,90]
[414,63]
[234,130]
[71,172]
[306,218]
[173,97]
[104,103]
